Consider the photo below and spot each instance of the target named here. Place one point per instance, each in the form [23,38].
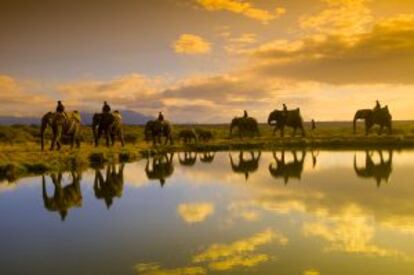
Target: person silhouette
[313,124]
[106,108]
[160,116]
[285,108]
[377,106]
[60,108]
[245,115]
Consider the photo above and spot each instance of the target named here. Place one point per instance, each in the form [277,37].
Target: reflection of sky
[207,219]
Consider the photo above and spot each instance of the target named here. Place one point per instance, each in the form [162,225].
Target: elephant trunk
[354,124]
[271,121]
[42,131]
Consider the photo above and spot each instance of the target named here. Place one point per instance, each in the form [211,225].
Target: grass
[20,153]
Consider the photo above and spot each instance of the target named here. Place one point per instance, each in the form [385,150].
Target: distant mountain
[10,120]
[129,117]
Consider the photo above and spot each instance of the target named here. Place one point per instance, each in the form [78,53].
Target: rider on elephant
[60,108]
[377,106]
[245,115]
[160,117]
[106,108]
[285,109]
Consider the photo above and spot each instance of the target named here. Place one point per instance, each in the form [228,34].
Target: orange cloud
[385,54]
[191,44]
[242,7]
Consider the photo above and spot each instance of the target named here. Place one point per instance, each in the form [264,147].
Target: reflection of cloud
[350,231]
[239,260]
[218,251]
[242,7]
[155,269]
[195,212]
[402,224]
[220,257]
[311,272]
[191,44]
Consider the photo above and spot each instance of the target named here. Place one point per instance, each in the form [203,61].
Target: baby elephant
[204,135]
[187,136]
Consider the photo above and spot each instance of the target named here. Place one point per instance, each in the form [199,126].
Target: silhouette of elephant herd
[160,131]
[109,185]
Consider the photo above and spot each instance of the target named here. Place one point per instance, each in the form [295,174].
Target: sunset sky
[207,60]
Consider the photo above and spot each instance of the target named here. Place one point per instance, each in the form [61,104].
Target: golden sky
[207,60]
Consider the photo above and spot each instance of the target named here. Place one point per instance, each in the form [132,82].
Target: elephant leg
[121,137]
[107,138]
[78,142]
[72,141]
[113,137]
[52,145]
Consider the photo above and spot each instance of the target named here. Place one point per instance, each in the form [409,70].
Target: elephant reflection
[188,159]
[161,167]
[111,186]
[379,171]
[63,198]
[246,165]
[315,155]
[207,157]
[287,170]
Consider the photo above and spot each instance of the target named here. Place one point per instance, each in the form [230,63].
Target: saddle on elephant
[70,119]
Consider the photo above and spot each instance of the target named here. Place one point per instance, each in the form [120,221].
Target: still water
[320,212]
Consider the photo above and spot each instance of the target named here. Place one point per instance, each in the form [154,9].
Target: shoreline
[23,160]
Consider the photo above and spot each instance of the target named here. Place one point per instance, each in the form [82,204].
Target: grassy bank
[20,154]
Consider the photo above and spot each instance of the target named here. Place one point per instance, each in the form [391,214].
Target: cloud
[155,269]
[350,232]
[16,96]
[238,45]
[191,44]
[195,212]
[218,251]
[222,257]
[245,261]
[339,16]
[242,7]
[311,272]
[385,54]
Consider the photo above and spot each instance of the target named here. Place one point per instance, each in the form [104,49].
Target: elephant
[207,157]
[110,124]
[204,135]
[247,126]
[161,168]
[63,198]
[246,166]
[156,129]
[281,119]
[381,117]
[379,171]
[287,170]
[187,136]
[62,124]
[110,187]
[189,159]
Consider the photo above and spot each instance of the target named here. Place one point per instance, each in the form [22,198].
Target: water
[313,214]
